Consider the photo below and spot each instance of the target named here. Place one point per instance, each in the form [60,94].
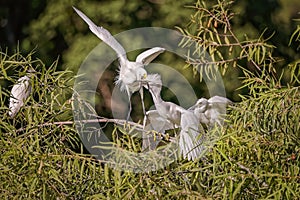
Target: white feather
[168,116]
[153,121]
[211,111]
[190,141]
[147,56]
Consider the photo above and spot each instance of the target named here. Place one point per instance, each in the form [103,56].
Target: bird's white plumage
[149,55]
[19,94]
[190,140]
[211,111]
[174,116]
[168,110]
[153,121]
[104,35]
[131,74]
[132,77]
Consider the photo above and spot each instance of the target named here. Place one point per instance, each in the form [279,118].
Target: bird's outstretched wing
[147,56]
[19,94]
[190,136]
[219,99]
[153,121]
[104,35]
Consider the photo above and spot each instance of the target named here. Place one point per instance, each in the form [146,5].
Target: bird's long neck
[155,93]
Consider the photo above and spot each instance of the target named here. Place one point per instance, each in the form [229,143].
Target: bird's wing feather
[189,142]
[104,35]
[147,56]
[153,121]
[219,99]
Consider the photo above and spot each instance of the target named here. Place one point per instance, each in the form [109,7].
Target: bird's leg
[127,125]
[148,86]
[129,107]
[129,111]
[142,96]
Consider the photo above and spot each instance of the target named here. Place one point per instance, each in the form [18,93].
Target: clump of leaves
[258,154]
[34,142]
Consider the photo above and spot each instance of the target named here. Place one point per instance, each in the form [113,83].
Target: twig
[247,170]
[102,120]
[199,62]
[237,41]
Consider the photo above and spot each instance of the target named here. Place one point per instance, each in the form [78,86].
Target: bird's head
[200,106]
[141,74]
[154,83]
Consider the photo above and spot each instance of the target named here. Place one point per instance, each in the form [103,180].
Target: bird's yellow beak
[144,76]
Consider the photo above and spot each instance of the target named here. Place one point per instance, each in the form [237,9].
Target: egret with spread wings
[132,74]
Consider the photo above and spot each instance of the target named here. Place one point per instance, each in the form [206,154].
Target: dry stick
[198,62]
[247,170]
[231,32]
[103,120]
[117,121]
[212,15]
[234,37]
[237,41]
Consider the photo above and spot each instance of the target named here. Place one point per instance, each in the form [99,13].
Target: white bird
[131,74]
[19,94]
[169,116]
[211,112]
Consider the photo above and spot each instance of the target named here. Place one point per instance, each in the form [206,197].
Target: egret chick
[211,111]
[168,115]
[131,74]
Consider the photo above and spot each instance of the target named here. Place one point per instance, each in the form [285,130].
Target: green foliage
[256,157]
[34,142]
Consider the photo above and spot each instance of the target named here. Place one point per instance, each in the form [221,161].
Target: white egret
[168,115]
[19,94]
[207,112]
[131,74]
